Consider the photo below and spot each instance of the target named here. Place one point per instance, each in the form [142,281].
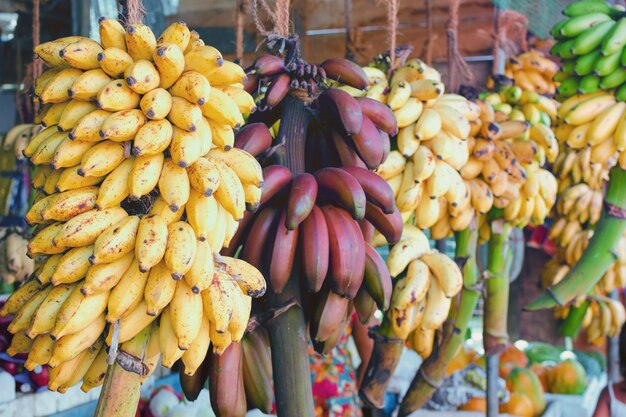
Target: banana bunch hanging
[139,188]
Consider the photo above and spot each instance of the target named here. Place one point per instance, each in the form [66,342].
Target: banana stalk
[432,371]
[599,254]
[572,324]
[287,331]
[497,289]
[120,393]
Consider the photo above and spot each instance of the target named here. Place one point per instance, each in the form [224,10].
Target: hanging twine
[26,107]
[509,35]
[37,63]
[278,18]
[456,64]
[350,52]
[135,12]
[239,15]
[392,17]
[427,50]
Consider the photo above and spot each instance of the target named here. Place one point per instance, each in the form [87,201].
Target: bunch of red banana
[326,219]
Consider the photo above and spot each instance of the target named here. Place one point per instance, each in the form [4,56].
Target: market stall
[293,208]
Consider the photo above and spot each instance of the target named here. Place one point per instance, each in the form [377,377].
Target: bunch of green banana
[590,42]
[140,187]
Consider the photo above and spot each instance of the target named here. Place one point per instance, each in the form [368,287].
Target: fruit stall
[293,208]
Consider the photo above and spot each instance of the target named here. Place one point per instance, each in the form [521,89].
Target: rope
[431,37]
[279,18]
[392,16]
[135,11]
[509,36]
[350,52]
[456,63]
[239,15]
[37,63]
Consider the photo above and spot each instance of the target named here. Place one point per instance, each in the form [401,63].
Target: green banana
[607,64]
[615,40]
[591,38]
[568,66]
[577,25]
[563,49]
[620,94]
[589,84]
[614,79]
[560,76]
[569,87]
[584,7]
[586,63]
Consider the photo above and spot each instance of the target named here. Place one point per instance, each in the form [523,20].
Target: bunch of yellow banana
[140,188]
[15,266]
[532,71]
[515,103]
[425,283]
[432,147]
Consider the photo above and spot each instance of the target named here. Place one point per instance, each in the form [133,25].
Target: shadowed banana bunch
[139,188]
[15,266]
[531,71]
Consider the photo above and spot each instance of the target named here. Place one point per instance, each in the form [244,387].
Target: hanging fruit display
[138,190]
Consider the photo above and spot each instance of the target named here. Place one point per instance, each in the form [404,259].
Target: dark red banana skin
[261,229]
[346,252]
[319,149]
[365,305]
[367,229]
[376,189]
[345,151]
[282,254]
[329,313]
[315,250]
[267,65]
[377,279]
[346,72]
[379,114]
[277,90]
[343,189]
[240,234]
[256,352]
[224,381]
[389,225]
[193,384]
[242,405]
[386,143]
[251,84]
[301,199]
[276,178]
[368,143]
[253,138]
[325,347]
[343,109]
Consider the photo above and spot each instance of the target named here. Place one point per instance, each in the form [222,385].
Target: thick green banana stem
[120,393]
[599,254]
[572,324]
[432,371]
[497,289]
[287,331]
[381,366]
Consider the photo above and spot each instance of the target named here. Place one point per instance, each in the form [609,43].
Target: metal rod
[493,363]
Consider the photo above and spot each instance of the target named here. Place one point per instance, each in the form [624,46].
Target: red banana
[325,347]
[346,72]
[277,90]
[342,108]
[282,255]
[253,138]
[225,381]
[276,178]
[267,65]
[367,229]
[389,225]
[376,189]
[368,143]
[315,251]
[346,252]
[365,305]
[377,279]
[193,384]
[345,151]
[301,199]
[380,114]
[330,311]
[261,230]
[257,370]
[343,189]
[386,144]
[251,85]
